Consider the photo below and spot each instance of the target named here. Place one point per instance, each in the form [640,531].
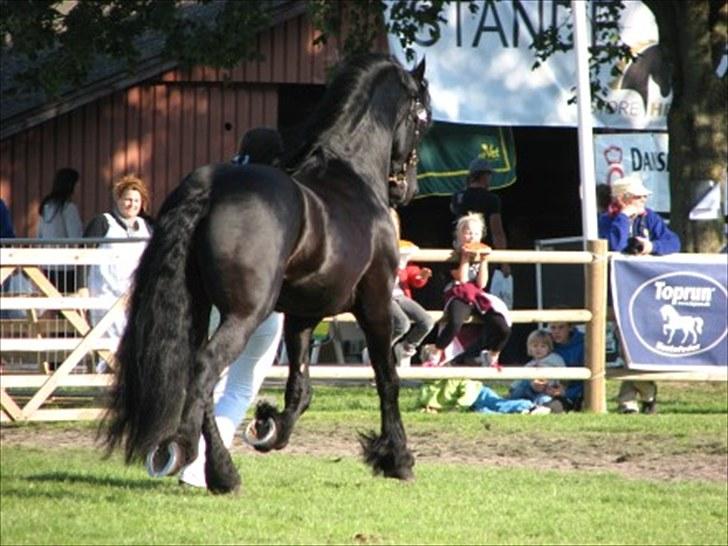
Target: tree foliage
[56,44]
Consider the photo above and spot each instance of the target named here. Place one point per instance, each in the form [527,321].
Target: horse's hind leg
[272,429]
[221,475]
[224,346]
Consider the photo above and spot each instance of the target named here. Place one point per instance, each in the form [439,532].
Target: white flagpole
[586,140]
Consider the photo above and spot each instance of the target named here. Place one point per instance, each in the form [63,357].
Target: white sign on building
[645,154]
[480,69]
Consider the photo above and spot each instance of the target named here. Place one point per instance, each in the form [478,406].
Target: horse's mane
[343,102]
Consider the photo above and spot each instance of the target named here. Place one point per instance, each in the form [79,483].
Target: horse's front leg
[272,429]
[386,453]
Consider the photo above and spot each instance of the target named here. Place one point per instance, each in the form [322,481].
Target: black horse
[254,239]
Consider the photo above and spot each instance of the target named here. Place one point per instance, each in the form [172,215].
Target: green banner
[448,149]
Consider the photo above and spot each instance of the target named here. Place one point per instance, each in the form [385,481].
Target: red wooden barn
[160,123]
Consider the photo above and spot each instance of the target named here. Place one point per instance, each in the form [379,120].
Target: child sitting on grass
[540,347]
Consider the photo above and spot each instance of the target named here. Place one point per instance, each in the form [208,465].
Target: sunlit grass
[54,495]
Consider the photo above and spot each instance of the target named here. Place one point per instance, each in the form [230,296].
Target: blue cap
[480,165]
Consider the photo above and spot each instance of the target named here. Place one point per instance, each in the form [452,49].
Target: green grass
[298,499]
[55,495]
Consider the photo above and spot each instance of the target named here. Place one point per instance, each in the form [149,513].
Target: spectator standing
[604,197]
[410,321]
[477,197]
[59,219]
[125,221]
[631,227]
[6,222]
[240,382]
[466,295]
[7,232]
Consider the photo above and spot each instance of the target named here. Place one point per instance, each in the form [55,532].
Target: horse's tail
[156,352]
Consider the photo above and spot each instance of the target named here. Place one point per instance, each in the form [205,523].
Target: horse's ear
[418,72]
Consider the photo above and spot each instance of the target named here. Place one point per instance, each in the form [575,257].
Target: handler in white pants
[236,389]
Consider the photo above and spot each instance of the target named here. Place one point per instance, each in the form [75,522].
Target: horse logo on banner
[673,321]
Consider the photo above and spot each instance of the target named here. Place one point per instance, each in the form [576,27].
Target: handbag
[502,287]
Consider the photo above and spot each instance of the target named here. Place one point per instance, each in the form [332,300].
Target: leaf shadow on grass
[78,478]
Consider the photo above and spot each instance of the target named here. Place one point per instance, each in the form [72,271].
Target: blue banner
[672,311]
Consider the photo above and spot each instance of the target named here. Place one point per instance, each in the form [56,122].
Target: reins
[420,118]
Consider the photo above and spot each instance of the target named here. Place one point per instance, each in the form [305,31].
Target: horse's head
[415,119]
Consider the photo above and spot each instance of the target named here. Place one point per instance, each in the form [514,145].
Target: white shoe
[485,359]
[540,410]
[404,352]
[193,475]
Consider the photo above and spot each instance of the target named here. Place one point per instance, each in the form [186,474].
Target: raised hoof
[160,464]
[261,434]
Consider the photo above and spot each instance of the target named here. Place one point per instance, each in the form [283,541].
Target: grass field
[567,479]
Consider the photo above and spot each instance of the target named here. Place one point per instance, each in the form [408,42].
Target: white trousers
[236,389]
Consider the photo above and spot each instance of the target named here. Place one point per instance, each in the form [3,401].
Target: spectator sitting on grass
[540,346]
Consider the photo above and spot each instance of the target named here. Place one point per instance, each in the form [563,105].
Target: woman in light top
[59,218]
[127,220]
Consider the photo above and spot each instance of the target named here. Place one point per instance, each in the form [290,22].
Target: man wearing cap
[630,227]
[477,197]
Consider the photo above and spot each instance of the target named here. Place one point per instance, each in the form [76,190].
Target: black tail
[156,352]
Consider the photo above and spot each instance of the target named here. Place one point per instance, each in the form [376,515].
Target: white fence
[37,390]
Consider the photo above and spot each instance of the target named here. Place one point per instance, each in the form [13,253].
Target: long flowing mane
[345,102]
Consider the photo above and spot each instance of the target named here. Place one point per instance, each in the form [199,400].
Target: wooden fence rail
[24,395]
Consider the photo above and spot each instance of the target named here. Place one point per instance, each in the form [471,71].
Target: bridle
[421,118]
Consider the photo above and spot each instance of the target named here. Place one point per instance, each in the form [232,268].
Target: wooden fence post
[595,397]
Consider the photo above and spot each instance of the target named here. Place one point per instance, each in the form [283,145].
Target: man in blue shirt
[630,227]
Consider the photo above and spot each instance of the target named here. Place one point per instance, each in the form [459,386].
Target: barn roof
[107,75]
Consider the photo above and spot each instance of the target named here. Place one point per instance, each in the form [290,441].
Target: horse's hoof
[404,474]
[159,464]
[250,435]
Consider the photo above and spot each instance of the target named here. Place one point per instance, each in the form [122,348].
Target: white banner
[480,69]
[645,154]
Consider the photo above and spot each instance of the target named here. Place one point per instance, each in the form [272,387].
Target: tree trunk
[697,119]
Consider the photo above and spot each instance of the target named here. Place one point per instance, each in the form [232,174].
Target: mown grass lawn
[69,495]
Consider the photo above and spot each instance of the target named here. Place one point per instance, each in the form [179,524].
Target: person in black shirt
[477,197]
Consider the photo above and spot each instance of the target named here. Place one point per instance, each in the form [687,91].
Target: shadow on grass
[77,478]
